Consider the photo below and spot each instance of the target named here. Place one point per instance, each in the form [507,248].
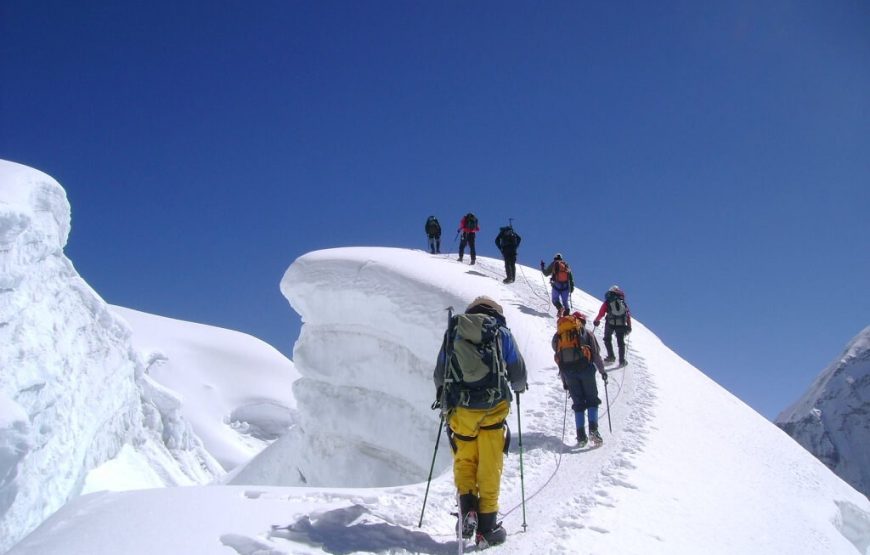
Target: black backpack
[470,221]
[433,228]
[509,238]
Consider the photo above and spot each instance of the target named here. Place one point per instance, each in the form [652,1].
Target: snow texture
[687,468]
[235,390]
[72,389]
[832,419]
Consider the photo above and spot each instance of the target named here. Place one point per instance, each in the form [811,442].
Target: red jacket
[603,310]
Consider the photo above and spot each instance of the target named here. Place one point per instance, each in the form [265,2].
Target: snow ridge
[688,468]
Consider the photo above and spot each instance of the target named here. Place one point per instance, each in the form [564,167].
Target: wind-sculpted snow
[72,391]
[832,419]
[367,374]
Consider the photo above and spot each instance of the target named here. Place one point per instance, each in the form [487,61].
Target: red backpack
[560,271]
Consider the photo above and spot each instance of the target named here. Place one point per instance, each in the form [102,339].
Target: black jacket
[505,243]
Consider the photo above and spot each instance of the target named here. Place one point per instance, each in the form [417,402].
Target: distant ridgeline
[832,419]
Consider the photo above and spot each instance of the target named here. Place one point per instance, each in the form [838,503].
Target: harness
[453,436]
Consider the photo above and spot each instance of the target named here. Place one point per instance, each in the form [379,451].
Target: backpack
[569,347]
[560,271]
[433,228]
[475,369]
[509,238]
[616,310]
[470,222]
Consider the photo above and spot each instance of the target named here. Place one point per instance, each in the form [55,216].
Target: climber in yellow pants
[477,368]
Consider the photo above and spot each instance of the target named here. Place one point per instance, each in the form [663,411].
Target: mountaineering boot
[582,440]
[622,363]
[594,435]
[459,259]
[610,358]
[468,510]
[489,532]
[472,262]
[506,280]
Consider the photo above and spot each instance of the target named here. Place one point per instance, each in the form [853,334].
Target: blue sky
[713,160]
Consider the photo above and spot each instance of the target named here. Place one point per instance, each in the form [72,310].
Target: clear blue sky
[712,158]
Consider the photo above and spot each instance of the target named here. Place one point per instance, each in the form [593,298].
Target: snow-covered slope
[688,468]
[832,419]
[73,392]
[234,389]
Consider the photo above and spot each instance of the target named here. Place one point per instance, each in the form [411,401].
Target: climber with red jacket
[617,321]
[468,227]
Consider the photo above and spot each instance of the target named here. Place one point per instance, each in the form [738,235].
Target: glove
[604,376]
[564,383]
[542,266]
[572,289]
[596,322]
[437,403]
[628,331]
[520,388]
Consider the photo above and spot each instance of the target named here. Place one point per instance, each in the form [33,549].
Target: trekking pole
[438,404]
[522,481]
[607,400]
[431,468]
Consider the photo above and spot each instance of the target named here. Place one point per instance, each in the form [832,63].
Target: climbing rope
[558,457]
[546,302]
[558,461]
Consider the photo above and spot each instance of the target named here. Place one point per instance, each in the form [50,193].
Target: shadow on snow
[338,532]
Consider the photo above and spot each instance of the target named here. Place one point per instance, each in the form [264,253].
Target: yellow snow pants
[478,458]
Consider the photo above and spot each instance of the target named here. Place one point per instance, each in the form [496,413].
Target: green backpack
[475,369]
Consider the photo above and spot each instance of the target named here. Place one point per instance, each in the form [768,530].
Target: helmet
[580,316]
[558,256]
[485,301]
[614,289]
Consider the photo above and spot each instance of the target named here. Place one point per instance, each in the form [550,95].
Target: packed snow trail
[551,464]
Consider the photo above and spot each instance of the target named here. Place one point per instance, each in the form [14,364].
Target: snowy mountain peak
[831,419]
